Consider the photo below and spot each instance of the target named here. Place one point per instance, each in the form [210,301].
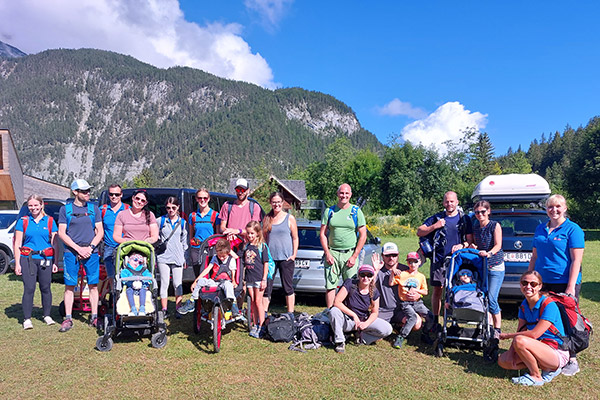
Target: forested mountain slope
[109,117]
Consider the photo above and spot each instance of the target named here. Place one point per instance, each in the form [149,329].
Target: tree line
[410,180]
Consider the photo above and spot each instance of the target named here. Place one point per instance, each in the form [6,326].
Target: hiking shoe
[189,306]
[262,332]
[571,368]
[94,322]
[27,324]
[398,342]
[66,325]
[48,320]
[165,314]
[340,347]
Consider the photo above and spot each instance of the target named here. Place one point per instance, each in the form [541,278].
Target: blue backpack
[271,261]
[90,212]
[353,214]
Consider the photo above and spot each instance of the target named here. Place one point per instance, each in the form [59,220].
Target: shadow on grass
[590,291]
[15,311]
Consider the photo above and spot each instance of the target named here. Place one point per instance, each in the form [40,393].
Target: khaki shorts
[339,268]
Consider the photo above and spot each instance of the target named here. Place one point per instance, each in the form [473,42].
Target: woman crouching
[537,344]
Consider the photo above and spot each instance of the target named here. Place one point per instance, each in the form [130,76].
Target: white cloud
[397,107]
[270,11]
[153,31]
[446,123]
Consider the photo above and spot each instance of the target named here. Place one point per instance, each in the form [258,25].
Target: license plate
[303,264]
[523,257]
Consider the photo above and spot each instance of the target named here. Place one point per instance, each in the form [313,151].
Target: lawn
[43,363]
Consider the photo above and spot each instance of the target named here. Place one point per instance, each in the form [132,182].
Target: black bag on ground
[281,328]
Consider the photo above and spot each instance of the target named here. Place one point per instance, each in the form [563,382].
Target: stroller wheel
[159,340]
[103,344]
[61,309]
[438,348]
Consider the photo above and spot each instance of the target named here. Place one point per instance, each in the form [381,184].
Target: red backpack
[26,223]
[578,328]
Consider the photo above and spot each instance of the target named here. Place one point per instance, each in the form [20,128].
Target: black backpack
[281,328]
[306,338]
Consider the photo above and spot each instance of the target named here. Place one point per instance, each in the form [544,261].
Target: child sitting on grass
[136,266]
[409,282]
[222,269]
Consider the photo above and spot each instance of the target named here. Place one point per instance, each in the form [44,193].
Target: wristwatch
[93,247]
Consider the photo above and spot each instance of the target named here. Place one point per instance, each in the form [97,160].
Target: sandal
[527,380]
[547,376]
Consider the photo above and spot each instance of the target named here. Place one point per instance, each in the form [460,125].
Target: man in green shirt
[341,243]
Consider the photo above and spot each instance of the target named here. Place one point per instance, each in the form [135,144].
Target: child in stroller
[222,268]
[136,266]
[465,295]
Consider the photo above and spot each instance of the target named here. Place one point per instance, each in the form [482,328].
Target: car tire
[4,262]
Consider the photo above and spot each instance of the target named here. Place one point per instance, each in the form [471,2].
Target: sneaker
[254,332]
[142,311]
[165,314]
[262,331]
[27,324]
[133,312]
[340,347]
[48,320]
[398,342]
[94,322]
[66,325]
[235,311]
[189,306]
[571,368]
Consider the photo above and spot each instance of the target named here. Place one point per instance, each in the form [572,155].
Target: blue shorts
[71,268]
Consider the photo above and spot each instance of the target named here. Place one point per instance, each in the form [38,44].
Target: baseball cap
[389,248]
[413,255]
[366,268]
[80,184]
[241,183]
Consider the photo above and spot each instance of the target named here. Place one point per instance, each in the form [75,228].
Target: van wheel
[4,262]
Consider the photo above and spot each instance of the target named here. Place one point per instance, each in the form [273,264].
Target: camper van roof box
[512,188]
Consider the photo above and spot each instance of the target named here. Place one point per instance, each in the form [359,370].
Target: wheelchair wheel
[248,313]
[104,344]
[217,317]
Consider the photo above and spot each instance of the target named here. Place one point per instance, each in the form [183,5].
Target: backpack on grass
[281,327]
[306,338]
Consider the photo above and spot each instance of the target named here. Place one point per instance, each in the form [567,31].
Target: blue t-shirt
[553,251]
[36,236]
[80,230]
[453,235]
[203,228]
[550,314]
[108,222]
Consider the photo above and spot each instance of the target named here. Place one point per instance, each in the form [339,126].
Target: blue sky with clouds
[420,71]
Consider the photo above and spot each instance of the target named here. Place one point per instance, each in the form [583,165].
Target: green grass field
[43,363]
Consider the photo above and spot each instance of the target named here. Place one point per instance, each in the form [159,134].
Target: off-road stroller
[466,322]
[119,320]
[212,306]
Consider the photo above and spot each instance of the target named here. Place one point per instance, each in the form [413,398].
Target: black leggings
[286,273]
[33,272]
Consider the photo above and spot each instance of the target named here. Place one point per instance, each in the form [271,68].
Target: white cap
[241,183]
[80,184]
[389,248]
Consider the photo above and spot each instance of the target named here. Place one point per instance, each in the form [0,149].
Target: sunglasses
[530,283]
[202,198]
[87,191]
[140,199]
[390,255]
[411,261]
[171,207]
[115,194]
[366,275]
[138,260]
[480,212]
[240,190]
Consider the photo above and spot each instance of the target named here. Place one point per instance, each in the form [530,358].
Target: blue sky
[420,71]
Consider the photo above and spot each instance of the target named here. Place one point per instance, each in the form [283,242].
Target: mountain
[7,51]
[108,118]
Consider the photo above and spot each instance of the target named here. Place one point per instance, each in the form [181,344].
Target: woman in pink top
[137,222]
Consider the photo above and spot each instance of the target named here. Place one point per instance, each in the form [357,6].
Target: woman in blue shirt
[35,236]
[537,344]
[557,254]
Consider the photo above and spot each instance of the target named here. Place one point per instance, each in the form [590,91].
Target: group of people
[372,298]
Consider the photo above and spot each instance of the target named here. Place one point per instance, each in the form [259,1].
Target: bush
[390,225]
